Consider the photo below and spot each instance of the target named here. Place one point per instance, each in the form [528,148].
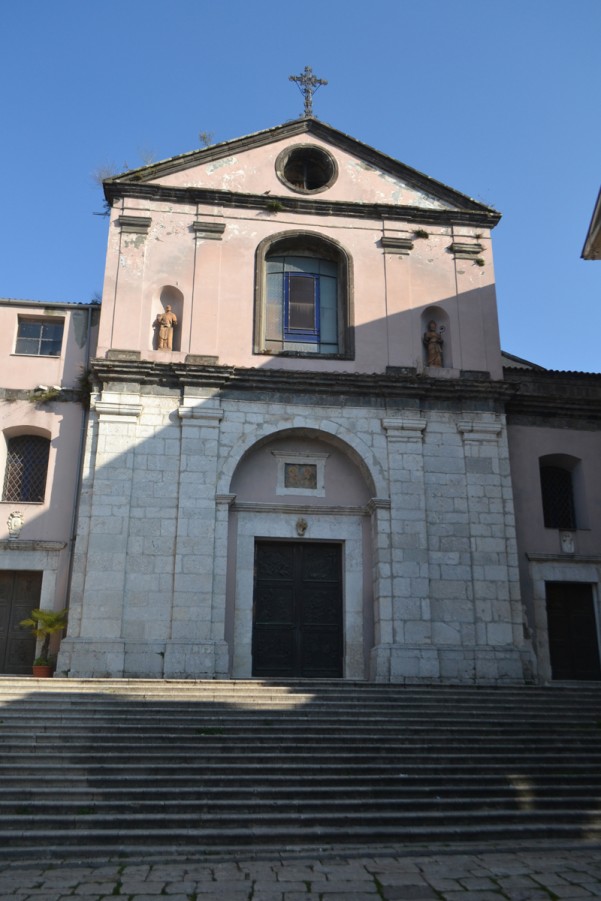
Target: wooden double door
[573,632]
[19,595]
[297,610]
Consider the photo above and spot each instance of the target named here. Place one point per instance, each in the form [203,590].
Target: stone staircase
[130,767]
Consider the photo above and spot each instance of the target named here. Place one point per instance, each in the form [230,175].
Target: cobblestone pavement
[375,874]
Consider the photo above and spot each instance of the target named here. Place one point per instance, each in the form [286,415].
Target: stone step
[296,693]
[276,817]
[100,766]
[89,842]
[19,808]
[216,739]
[308,790]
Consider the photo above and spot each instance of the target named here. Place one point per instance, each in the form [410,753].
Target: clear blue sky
[496,98]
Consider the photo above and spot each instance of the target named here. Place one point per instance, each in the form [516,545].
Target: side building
[45,349]
[554,432]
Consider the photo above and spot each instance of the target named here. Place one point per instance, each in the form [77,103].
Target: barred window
[40,337]
[558,497]
[26,469]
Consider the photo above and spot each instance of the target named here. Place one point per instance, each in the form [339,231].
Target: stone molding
[307,509]
[302,385]
[109,410]
[136,225]
[197,415]
[464,251]
[19,544]
[130,355]
[392,244]
[378,503]
[479,431]
[404,429]
[225,499]
[564,559]
[212,231]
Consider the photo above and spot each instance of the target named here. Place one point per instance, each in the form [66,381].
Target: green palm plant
[43,624]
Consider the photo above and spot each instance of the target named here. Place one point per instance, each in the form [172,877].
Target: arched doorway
[299,599]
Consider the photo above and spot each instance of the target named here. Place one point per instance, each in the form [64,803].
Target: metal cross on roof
[307,84]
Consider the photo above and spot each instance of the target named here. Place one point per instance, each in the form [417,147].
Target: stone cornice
[321,130]
[557,399]
[306,508]
[394,244]
[212,231]
[564,558]
[316,207]
[137,225]
[479,431]
[111,409]
[266,383]
[20,544]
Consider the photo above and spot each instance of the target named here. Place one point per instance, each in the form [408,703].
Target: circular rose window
[306,169]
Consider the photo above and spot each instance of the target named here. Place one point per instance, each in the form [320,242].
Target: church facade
[298,460]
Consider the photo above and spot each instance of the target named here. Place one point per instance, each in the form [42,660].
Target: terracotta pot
[42,671]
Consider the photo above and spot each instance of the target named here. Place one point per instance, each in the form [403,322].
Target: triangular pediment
[252,166]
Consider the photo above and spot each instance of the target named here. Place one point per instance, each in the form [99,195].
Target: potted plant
[43,624]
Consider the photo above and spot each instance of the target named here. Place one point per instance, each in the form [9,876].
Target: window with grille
[40,337]
[26,469]
[558,497]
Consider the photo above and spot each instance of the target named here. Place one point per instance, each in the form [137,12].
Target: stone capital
[404,429]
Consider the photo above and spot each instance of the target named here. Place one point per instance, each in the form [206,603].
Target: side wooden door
[573,633]
[19,595]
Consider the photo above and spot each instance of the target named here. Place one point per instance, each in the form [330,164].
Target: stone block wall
[437,599]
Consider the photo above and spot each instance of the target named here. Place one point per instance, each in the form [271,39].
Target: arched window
[559,510]
[302,297]
[26,469]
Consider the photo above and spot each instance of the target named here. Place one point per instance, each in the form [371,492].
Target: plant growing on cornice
[274,206]
[479,261]
[420,233]
[42,395]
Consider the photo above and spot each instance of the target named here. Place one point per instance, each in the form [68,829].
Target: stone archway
[300,488]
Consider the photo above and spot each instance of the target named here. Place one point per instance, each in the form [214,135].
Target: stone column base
[97,658]
[464,666]
[83,658]
[196,660]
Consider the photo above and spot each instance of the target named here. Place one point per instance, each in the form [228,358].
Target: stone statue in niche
[433,344]
[165,323]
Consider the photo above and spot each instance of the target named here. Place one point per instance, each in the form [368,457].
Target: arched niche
[300,464]
[440,317]
[167,296]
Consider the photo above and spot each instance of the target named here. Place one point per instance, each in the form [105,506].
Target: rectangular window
[40,337]
[301,314]
[301,305]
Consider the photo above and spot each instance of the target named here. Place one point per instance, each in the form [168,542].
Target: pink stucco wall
[391,293]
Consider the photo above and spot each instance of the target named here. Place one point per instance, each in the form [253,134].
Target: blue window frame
[301,307]
[302,304]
